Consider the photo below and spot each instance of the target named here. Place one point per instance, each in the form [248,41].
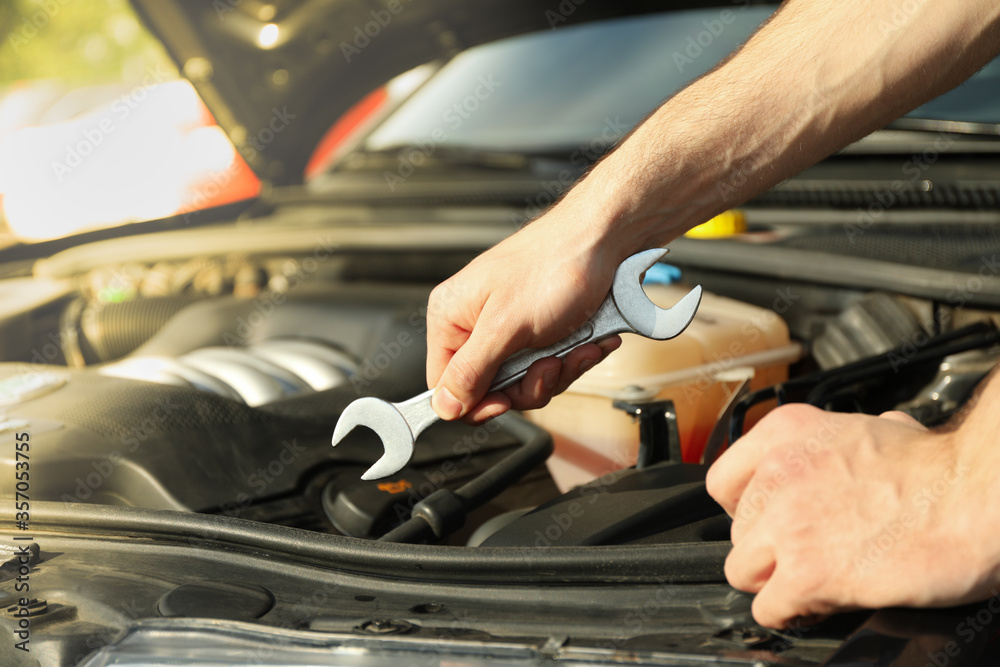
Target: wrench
[626,309]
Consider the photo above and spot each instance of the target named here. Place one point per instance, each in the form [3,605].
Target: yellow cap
[725,224]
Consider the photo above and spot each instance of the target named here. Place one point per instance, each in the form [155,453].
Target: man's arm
[817,76]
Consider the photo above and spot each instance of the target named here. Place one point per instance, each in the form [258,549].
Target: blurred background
[97,128]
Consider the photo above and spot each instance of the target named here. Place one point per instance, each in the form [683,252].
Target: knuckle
[535,403]
[735,572]
[786,418]
[808,581]
[751,504]
[766,614]
[716,483]
[440,297]
[773,466]
[504,323]
[462,375]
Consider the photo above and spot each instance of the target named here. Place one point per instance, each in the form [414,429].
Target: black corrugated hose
[444,511]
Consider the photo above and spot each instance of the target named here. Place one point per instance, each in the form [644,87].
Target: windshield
[975,101]
[552,91]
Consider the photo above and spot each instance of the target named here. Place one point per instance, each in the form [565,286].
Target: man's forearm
[816,77]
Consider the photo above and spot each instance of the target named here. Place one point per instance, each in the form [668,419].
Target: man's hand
[529,291]
[833,512]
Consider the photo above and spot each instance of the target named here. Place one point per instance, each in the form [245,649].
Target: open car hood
[321,56]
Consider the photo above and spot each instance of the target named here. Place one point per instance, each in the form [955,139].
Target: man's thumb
[468,375]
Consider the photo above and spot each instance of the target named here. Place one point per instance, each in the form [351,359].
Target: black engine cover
[125,442]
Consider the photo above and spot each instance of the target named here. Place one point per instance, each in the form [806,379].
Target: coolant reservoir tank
[592,438]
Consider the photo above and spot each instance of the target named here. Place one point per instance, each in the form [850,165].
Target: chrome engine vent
[262,373]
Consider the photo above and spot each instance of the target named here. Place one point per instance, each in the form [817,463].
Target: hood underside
[277,101]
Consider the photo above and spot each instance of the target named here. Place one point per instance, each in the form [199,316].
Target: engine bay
[181,403]
[212,384]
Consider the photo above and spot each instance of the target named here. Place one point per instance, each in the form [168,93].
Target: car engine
[212,385]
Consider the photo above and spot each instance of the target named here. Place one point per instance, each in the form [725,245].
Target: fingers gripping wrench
[626,309]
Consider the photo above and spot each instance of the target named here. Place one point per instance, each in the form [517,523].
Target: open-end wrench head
[388,424]
[644,316]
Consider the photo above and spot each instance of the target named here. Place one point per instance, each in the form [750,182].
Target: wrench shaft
[419,414]
[601,324]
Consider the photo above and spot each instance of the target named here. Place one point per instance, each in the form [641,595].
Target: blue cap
[662,274]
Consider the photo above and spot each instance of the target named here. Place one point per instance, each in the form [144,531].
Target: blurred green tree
[75,42]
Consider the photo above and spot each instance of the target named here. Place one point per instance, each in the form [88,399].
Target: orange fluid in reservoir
[728,339]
